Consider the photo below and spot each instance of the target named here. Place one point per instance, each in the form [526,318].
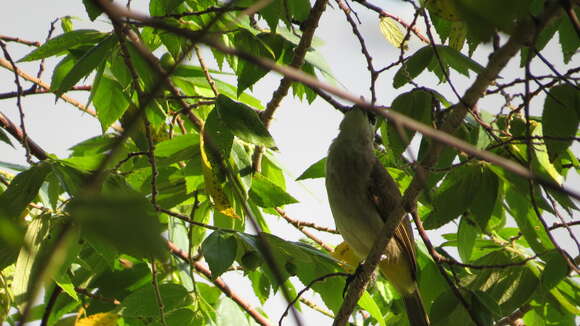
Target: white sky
[302,132]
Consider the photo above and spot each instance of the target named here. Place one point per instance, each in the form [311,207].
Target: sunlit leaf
[65,42]
[316,170]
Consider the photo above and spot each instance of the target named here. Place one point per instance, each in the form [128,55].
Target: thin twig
[305,232]
[19,40]
[4,63]
[19,90]
[308,287]
[15,131]
[157,292]
[203,66]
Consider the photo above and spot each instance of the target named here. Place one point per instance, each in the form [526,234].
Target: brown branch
[300,224]
[499,59]
[363,47]
[45,86]
[19,135]
[515,316]
[19,40]
[565,224]
[190,221]
[88,293]
[300,227]
[35,91]
[315,307]
[203,66]
[310,26]
[562,225]
[306,288]
[220,284]
[19,90]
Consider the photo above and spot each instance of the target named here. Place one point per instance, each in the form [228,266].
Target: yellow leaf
[392,31]
[100,319]
[346,255]
[213,185]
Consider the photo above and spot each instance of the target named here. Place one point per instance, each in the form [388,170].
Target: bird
[361,193]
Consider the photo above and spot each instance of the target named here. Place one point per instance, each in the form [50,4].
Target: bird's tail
[415,309]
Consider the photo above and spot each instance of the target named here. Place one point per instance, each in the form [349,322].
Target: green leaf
[413,66]
[568,36]
[560,118]
[484,18]
[267,194]
[521,209]
[391,31]
[65,42]
[486,198]
[95,145]
[555,271]
[66,24]
[314,171]
[243,122]
[242,164]
[110,102]
[116,282]
[62,69]
[92,9]
[260,284]
[416,104]
[107,217]
[229,313]
[143,302]
[466,236]
[183,317]
[368,303]
[219,133]
[219,250]
[23,276]
[248,73]
[176,145]
[21,191]
[454,196]
[4,138]
[87,63]
[457,35]
[458,61]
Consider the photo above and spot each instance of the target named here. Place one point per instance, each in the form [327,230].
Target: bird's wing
[385,194]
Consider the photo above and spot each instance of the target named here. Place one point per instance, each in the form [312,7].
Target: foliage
[176,167]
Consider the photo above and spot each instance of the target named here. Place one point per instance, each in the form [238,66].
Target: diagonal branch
[15,131]
[4,63]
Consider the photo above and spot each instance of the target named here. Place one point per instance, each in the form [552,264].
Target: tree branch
[4,63]
[15,131]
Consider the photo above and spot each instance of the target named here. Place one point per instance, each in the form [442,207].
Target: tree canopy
[137,225]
